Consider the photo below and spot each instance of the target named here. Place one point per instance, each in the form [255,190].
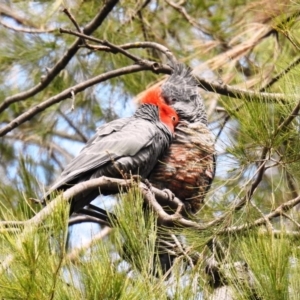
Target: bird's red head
[167,114]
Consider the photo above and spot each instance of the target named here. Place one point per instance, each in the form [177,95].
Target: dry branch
[280,210]
[61,64]
[78,88]
[106,185]
[221,89]
[26,30]
[109,47]
[153,197]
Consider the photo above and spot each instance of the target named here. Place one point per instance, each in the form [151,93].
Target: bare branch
[262,221]
[184,13]
[247,95]
[61,64]
[72,125]
[295,63]
[106,185]
[209,86]
[8,12]
[26,30]
[134,14]
[78,88]
[71,17]
[109,47]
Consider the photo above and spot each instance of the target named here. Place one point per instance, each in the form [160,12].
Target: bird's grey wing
[107,146]
[107,129]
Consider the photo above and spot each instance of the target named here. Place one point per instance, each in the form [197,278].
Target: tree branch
[26,30]
[61,64]
[240,204]
[262,221]
[78,88]
[71,17]
[295,63]
[5,10]
[83,138]
[109,47]
[246,95]
[189,19]
[106,185]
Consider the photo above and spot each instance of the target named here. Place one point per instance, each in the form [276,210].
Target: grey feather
[180,91]
[124,146]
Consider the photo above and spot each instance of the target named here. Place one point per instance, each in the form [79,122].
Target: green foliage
[248,45]
[37,255]
[269,260]
[138,231]
[41,267]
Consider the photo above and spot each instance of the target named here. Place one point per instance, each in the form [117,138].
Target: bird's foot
[137,178]
[148,184]
[172,199]
[170,194]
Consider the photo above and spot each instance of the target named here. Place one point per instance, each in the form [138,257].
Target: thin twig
[72,125]
[246,95]
[291,219]
[268,223]
[71,17]
[295,63]
[133,15]
[107,46]
[288,119]
[7,11]
[65,135]
[26,30]
[240,204]
[222,89]
[179,246]
[75,254]
[262,221]
[226,119]
[263,89]
[291,184]
[191,20]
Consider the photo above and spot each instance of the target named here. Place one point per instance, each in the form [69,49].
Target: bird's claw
[137,178]
[170,194]
[148,184]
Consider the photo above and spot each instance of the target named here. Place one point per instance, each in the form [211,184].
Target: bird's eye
[173,118]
